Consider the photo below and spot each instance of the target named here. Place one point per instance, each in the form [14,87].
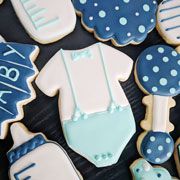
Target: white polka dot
[146,7]
[152,20]
[161,50]
[149,57]
[141,29]
[156,69]
[160,148]
[165,59]
[174,72]
[179,83]
[169,154]
[128,34]
[172,90]
[149,151]
[168,140]
[123,21]
[136,14]
[152,138]
[154,2]
[107,28]
[95,4]
[154,89]
[117,8]
[157,160]
[145,78]
[102,14]
[126,1]
[83,1]
[178,62]
[174,53]
[163,81]
[91,18]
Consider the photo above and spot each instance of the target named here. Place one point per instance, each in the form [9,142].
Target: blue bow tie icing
[76,55]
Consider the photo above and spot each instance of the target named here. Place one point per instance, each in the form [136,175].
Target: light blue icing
[142,170]
[16,175]
[110,20]
[76,55]
[101,137]
[36,15]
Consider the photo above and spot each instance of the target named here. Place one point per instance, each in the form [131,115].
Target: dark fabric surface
[42,114]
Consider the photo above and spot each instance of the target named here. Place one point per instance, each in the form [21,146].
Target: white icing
[163,23]
[1,39]
[160,113]
[46,21]
[88,79]
[1,1]
[51,161]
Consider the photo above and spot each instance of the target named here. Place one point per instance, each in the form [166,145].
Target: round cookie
[46,21]
[141,169]
[157,74]
[17,71]
[123,22]
[34,157]
[168,21]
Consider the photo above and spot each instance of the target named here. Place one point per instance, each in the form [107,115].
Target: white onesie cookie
[46,21]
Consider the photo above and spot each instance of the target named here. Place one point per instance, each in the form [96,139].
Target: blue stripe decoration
[172,28]
[167,9]
[170,18]
[164,2]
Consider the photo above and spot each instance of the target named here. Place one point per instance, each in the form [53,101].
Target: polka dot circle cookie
[110,20]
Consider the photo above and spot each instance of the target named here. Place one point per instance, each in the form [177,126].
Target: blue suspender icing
[75,56]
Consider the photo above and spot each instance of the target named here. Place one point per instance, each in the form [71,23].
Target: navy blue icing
[25,148]
[121,20]
[158,70]
[14,87]
[157,147]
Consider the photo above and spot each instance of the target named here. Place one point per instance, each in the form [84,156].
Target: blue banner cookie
[122,21]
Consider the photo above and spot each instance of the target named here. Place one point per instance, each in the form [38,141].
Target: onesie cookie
[177,155]
[34,157]
[157,74]
[46,21]
[96,116]
[168,21]
[123,22]
[17,71]
[141,169]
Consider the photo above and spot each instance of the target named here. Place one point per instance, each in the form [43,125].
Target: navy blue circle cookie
[122,21]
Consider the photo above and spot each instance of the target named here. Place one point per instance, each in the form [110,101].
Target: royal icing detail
[96,116]
[168,19]
[46,21]
[16,73]
[34,157]
[141,169]
[110,20]
[157,74]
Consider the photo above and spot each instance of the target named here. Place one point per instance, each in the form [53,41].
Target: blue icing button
[157,147]
[141,169]
[15,70]
[110,20]
[158,70]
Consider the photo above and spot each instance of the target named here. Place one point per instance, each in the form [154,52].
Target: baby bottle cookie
[46,21]
[123,22]
[96,116]
[157,73]
[168,21]
[177,155]
[141,169]
[17,71]
[34,157]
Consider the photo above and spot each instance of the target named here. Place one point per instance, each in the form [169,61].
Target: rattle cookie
[17,71]
[157,74]
[96,116]
[168,21]
[34,157]
[123,22]
[141,169]
[46,21]
[177,155]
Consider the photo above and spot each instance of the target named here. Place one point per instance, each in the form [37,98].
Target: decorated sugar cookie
[123,22]
[168,21]
[34,157]
[177,155]
[158,75]
[96,116]
[46,21]
[141,169]
[1,1]
[17,71]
